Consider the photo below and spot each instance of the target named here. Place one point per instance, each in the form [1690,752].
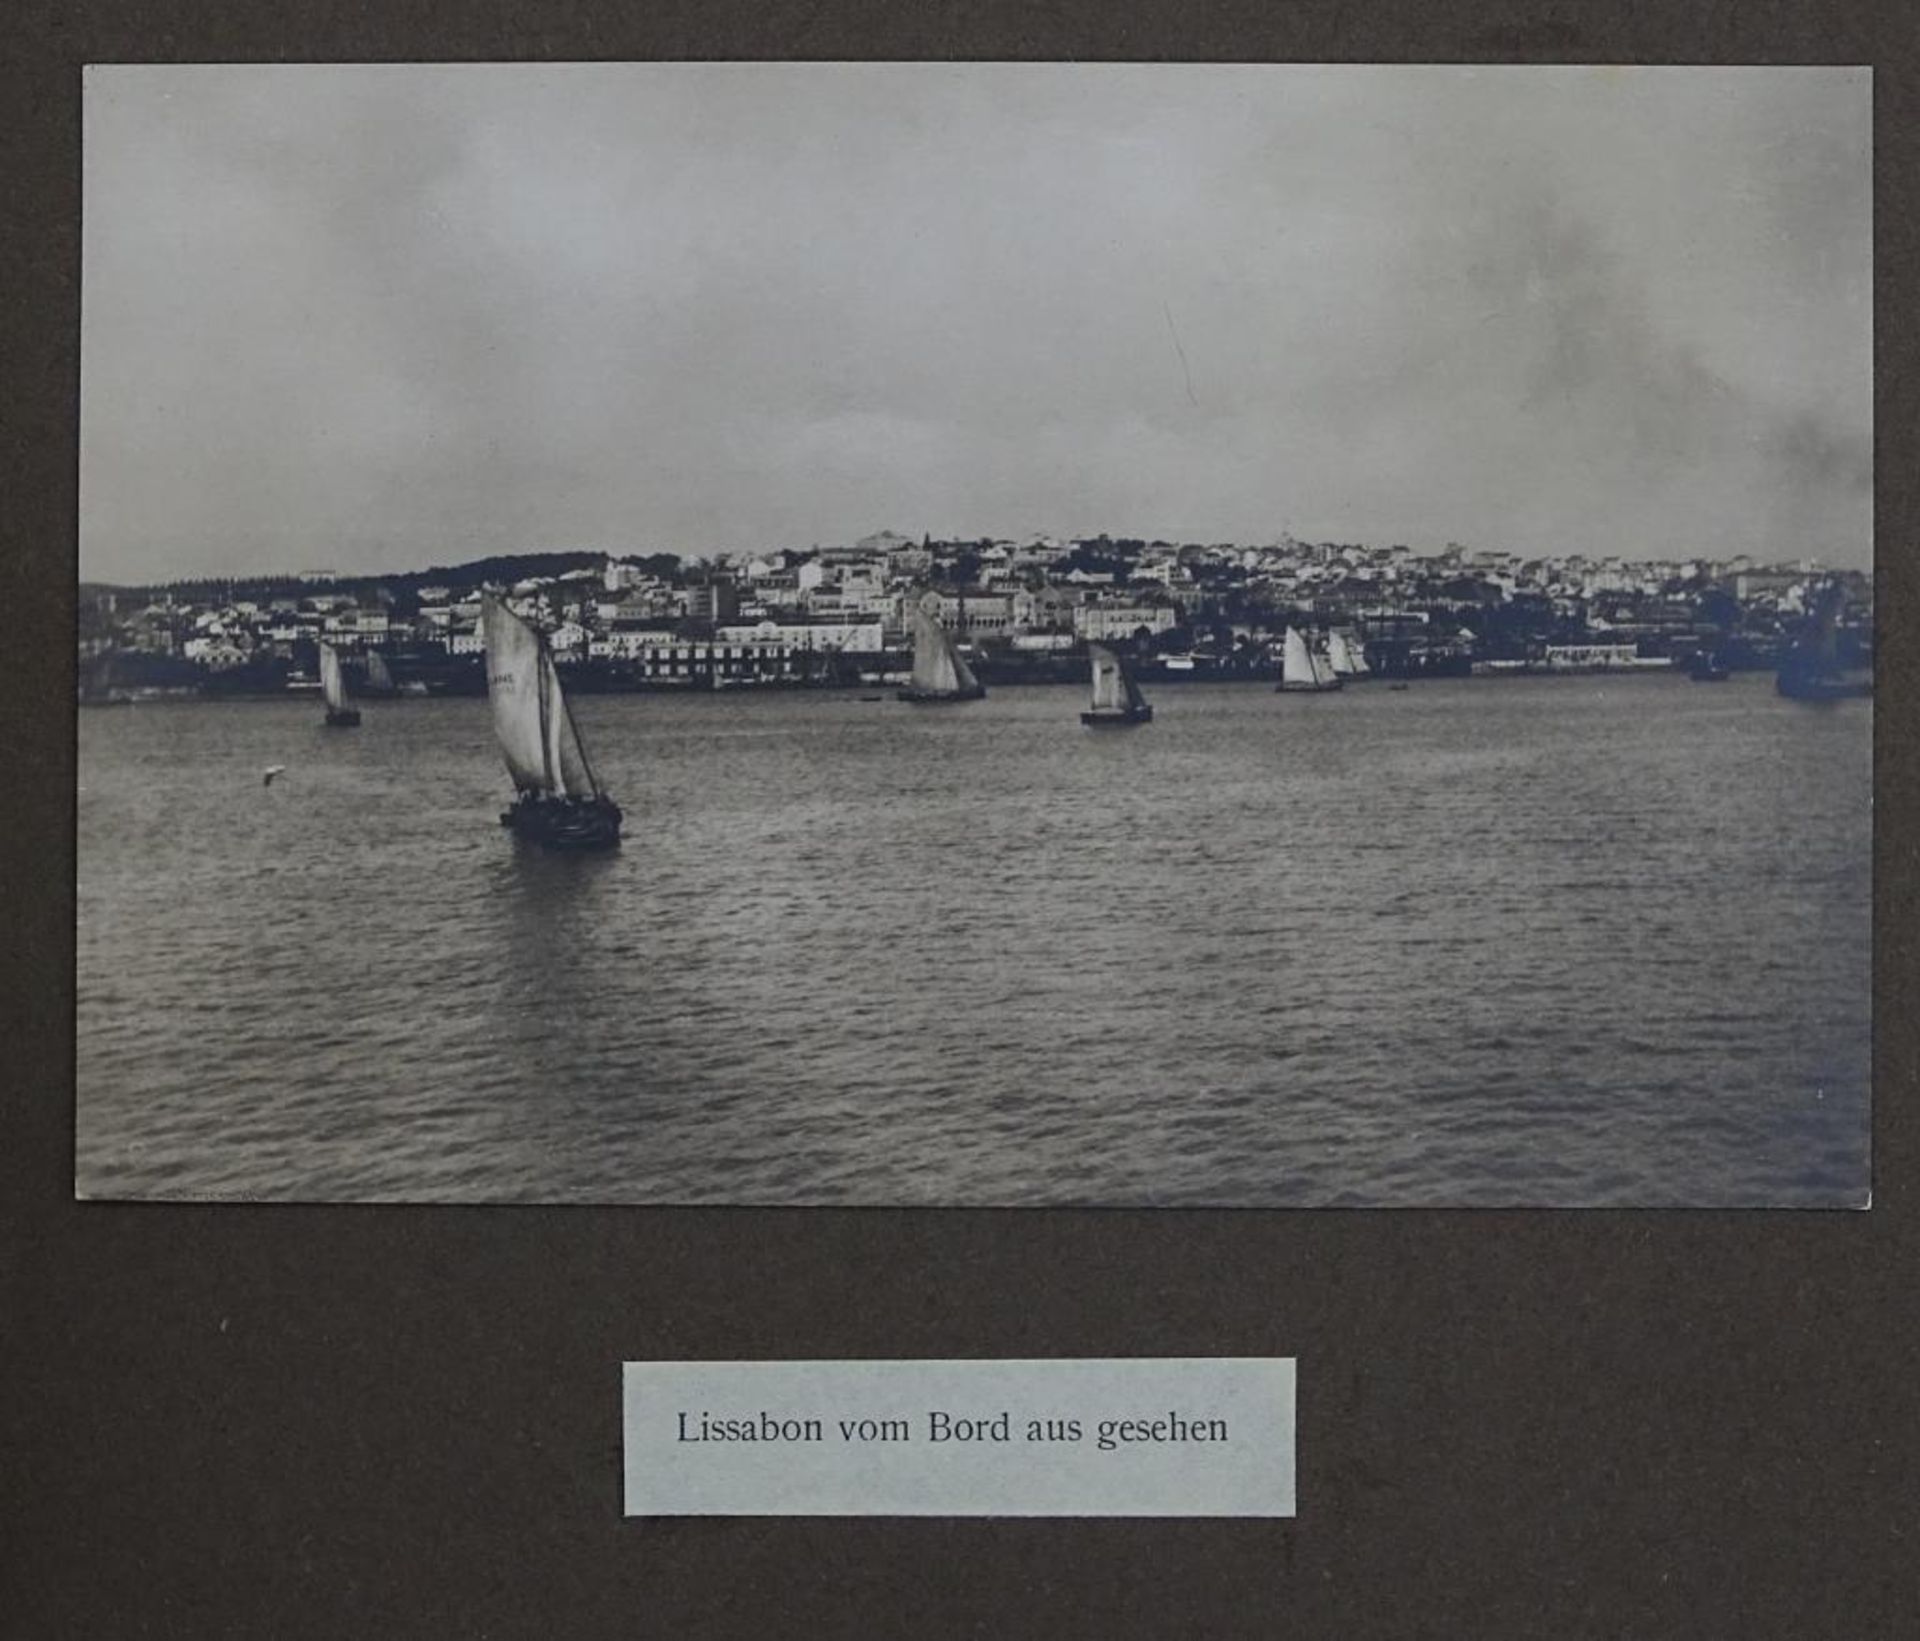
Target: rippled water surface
[1536,941]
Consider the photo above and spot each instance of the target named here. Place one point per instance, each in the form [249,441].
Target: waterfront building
[1101,622]
[862,635]
[216,653]
[628,640]
[1590,656]
[674,660]
[971,612]
[357,626]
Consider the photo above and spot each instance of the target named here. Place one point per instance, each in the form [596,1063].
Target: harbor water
[1537,941]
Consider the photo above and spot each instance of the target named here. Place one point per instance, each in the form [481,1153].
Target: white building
[1590,656]
[971,612]
[861,634]
[1104,621]
[216,654]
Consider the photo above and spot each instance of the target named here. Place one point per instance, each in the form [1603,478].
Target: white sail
[519,694]
[964,673]
[1348,658]
[378,677]
[938,668]
[1109,692]
[1113,687]
[333,684]
[566,756]
[1296,667]
[1323,669]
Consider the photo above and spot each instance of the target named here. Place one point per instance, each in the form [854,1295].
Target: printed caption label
[1119,1436]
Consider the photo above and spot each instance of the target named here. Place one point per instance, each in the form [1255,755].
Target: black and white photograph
[976,635]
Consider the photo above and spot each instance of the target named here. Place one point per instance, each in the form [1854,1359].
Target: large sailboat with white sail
[561,802]
[940,671]
[1303,669]
[341,712]
[1116,697]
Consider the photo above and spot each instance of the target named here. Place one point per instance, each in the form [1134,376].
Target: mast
[1823,650]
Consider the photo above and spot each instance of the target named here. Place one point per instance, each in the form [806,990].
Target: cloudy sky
[385,317]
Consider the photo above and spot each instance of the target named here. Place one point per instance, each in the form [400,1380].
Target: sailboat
[561,803]
[939,671]
[1347,657]
[341,713]
[1116,697]
[1811,670]
[379,675]
[1303,669]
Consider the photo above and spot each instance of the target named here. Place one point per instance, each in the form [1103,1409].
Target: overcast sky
[385,317]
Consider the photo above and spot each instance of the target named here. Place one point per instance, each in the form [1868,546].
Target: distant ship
[1811,669]
[341,713]
[561,803]
[940,673]
[1116,697]
[1303,669]
[1347,656]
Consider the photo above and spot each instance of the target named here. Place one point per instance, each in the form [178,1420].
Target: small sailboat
[341,713]
[1116,697]
[380,676]
[561,803]
[1347,656]
[1304,669]
[940,672]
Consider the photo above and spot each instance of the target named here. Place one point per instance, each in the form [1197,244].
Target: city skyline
[366,317]
[734,561]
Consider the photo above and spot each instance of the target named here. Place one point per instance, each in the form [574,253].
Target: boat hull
[345,718]
[1306,689]
[565,823]
[936,697]
[1117,720]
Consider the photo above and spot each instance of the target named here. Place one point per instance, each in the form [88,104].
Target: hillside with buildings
[1026,608]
